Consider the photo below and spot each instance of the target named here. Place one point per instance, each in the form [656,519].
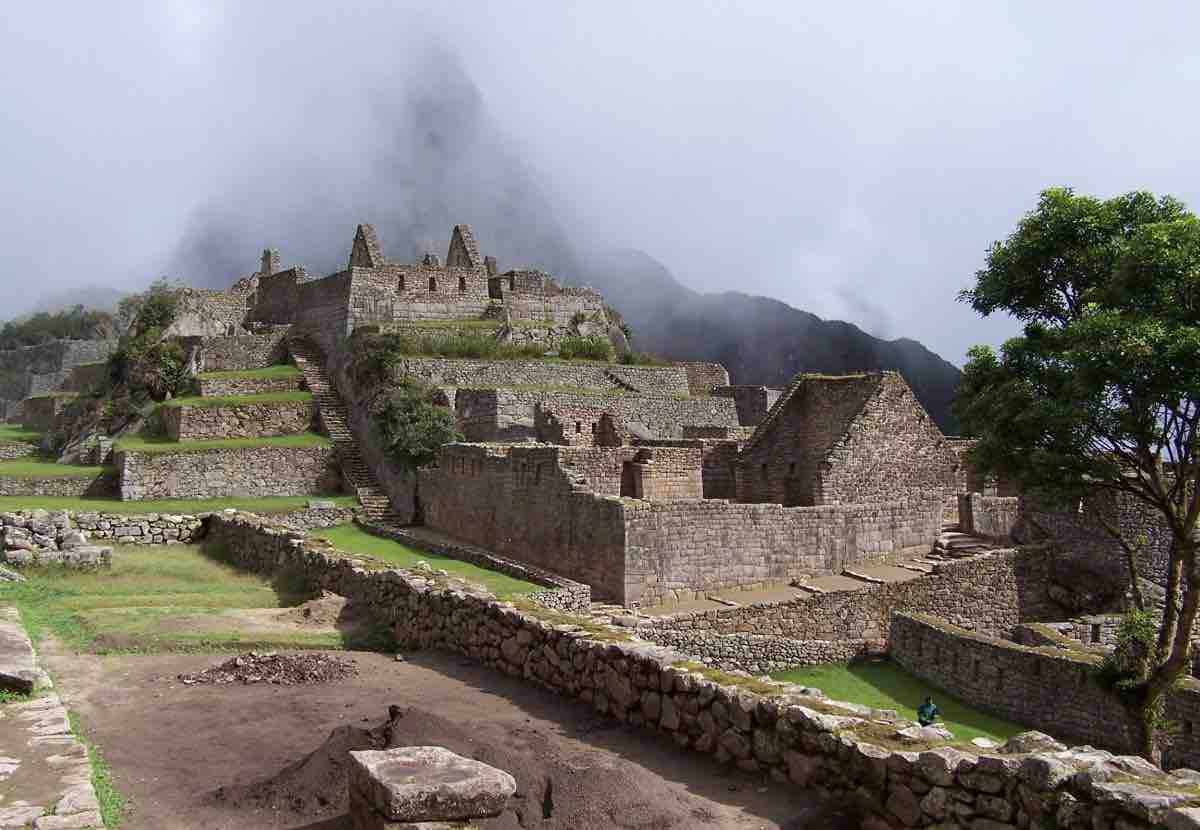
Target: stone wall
[753,402]
[847,438]
[86,378]
[703,378]
[502,415]
[561,508]
[786,732]
[244,420]
[251,472]
[554,374]
[15,450]
[992,517]
[40,370]
[242,351]
[204,312]
[1054,690]
[39,413]
[989,594]
[69,486]
[223,387]
[718,463]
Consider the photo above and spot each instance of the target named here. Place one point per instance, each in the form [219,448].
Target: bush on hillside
[146,363]
[586,348]
[414,425]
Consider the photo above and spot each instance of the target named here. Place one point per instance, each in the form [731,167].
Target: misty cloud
[855,163]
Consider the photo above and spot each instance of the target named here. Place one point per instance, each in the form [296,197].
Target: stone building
[846,439]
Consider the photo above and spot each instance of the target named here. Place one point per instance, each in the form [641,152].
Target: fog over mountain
[850,163]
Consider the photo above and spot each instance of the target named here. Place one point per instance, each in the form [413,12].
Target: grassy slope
[268,373]
[237,400]
[352,539]
[146,588]
[305,439]
[33,468]
[275,504]
[17,434]
[884,685]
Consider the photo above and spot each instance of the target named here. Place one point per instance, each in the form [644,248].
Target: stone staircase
[335,421]
[954,544]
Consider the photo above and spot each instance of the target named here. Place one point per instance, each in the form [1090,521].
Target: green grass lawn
[238,400]
[304,439]
[266,506]
[353,539]
[158,598]
[884,685]
[34,468]
[269,373]
[17,434]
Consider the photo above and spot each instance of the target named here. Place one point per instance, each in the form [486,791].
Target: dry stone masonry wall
[787,732]
[252,472]
[243,420]
[224,387]
[105,484]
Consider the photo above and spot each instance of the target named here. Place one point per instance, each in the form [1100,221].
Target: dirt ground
[205,757]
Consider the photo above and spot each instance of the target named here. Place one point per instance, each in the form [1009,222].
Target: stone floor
[45,776]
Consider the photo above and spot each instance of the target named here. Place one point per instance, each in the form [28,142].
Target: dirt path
[172,746]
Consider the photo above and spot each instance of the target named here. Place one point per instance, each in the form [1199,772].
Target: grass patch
[158,598]
[160,445]
[9,696]
[353,539]
[264,506]
[884,685]
[113,805]
[240,400]
[269,373]
[717,676]
[589,629]
[17,434]
[27,468]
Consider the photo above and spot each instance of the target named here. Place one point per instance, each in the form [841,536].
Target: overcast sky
[854,159]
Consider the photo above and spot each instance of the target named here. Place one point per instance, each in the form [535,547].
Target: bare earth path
[171,746]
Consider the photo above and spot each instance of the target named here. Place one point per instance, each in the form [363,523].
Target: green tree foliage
[1102,389]
[414,425]
[148,364]
[77,323]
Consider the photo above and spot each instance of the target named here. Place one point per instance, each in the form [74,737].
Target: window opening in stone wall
[1095,632]
[976,669]
[433,283]
[999,678]
[537,474]
[462,283]
[593,428]
[792,468]
[400,283]
[512,283]
[628,489]
[764,472]
[1037,668]
[579,427]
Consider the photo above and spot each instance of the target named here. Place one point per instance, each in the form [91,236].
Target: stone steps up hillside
[335,420]
[954,544]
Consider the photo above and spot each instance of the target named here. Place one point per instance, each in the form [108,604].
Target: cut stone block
[426,783]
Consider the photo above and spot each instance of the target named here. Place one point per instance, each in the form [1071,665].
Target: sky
[854,160]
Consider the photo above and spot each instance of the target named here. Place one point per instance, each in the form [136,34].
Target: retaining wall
[242,351]
[244,420]
[492,374]
[992,517]
[104,484]
[785,733]
[11,452]
[251,472]
[222,387]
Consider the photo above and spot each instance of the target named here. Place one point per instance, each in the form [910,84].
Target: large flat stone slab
[427,783]
[19,671]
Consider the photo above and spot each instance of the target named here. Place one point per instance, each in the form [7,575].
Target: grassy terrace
[34,468]
[161,445]
[269,373]
[264,506]
[180,598]
[352,539]
[17,434]
[217,401]
[885,685]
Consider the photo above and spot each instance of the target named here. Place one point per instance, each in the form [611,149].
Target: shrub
[77,323]
[414,426]
[146,363]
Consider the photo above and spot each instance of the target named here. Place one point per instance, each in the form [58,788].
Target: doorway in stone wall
[628,481]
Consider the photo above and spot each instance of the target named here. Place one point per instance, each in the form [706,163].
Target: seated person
[927,712]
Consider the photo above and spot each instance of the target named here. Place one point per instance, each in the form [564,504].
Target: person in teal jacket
[927,712]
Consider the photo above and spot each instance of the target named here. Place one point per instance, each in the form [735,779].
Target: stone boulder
[426,783]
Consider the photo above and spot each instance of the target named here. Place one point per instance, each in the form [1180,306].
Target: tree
[1101,392]
[414,426]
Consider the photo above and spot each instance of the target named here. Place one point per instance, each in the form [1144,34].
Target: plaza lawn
[352,539]
[17,434]
[884,685]
[269,373]
[239,400]
[33,468]
[159,598]
[265,506]
[159,445]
